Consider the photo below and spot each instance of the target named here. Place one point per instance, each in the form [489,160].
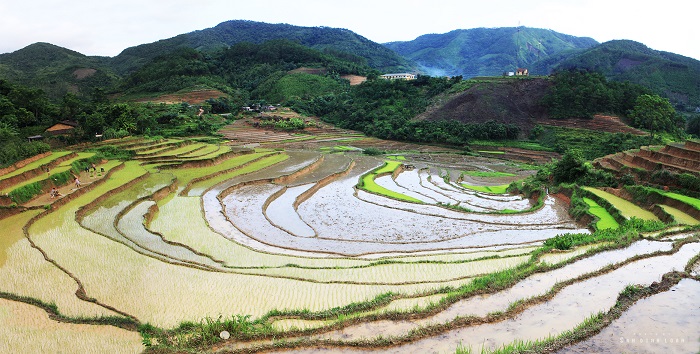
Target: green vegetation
[501,189]
[655,114]
[663,73]
[386,109]
[334,41]
[592,144]
[581,94]
[626,208]
[605,220]
[488,51]
[695,202]
[520,144]
[367,183]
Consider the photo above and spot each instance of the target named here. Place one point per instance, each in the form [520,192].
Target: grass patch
[695,202]
[520,144]
[606,221]
[367,183]
[500,189]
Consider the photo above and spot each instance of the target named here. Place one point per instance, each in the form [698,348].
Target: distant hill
[337,40]
[670,75]
[487,51]
[56,70]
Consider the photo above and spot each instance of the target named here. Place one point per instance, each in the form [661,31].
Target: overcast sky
[106,27]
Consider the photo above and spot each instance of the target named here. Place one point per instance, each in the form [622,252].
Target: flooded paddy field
[318,263]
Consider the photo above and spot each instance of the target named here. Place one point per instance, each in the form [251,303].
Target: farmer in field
[77,181]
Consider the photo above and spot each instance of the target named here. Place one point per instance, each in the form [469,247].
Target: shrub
[25,193]
[372,151]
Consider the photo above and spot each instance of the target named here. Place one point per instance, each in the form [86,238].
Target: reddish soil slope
[676,158]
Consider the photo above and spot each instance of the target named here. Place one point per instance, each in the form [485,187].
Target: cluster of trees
[251,69]
[25,112]
[20,109]
[581,94]
[386,109]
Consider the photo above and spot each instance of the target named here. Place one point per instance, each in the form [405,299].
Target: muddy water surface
[281,212]
[571,306]
[668,322]
[131,226]
[482,305]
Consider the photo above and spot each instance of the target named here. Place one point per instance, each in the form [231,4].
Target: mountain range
[466,52]
[488,51]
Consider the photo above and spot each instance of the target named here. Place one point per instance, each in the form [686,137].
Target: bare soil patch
[312,71]
[83,73]
[192,97]
[354,79]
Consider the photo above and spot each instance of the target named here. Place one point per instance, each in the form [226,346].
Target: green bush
[372,151]
[26,193]
[561,242]
[111,152]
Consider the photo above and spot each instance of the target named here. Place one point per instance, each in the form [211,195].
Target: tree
[571,167]
[694,125]
[654,113]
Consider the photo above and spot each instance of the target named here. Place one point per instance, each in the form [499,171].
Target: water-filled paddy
[291,230]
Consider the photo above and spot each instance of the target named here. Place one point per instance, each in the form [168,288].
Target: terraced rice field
[296,240]
[626,208]
[605,220]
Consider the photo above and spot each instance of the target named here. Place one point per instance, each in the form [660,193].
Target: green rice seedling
[695,202]
[626,208]
[20,262]
[368,183]
[605,220]
[500,189]
[679,216]
[36,164]
[28,329]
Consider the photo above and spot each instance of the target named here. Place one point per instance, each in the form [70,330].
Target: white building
[400,76]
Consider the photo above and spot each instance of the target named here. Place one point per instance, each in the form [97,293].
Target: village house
[62,128]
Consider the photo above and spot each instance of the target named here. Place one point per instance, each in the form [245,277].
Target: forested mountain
[334,40]
[257,71]
[56,70]
[668,74]
[487,51]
